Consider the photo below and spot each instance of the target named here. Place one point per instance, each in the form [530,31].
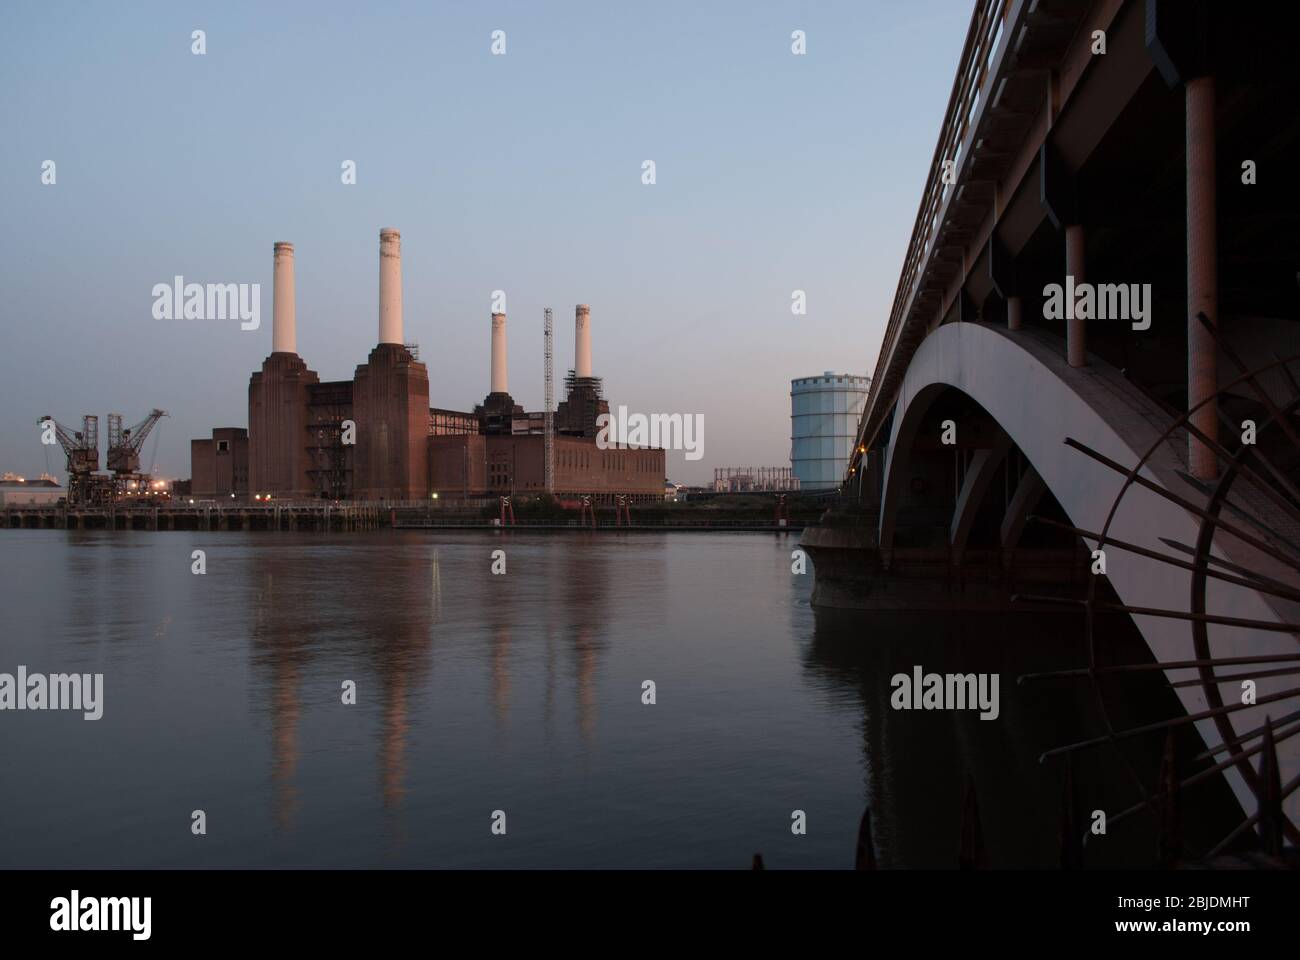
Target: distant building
[220,464]
[16,492]
[754,479]
[824,414]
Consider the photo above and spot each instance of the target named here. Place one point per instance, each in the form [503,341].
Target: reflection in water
[295,615]
[532,704]
[280,645]
[473,692]
[386,621]
[435,586]
[916,762]
[398,636]
[548,694]
[500,660]
[584,594]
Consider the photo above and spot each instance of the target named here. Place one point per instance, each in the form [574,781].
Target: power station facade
[375,437]
[824,414]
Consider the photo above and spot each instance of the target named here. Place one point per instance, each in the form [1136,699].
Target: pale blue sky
[519,172]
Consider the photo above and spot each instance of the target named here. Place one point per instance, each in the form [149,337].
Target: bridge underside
[973,500]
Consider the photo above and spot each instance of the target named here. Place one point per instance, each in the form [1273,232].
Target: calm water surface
[478,693]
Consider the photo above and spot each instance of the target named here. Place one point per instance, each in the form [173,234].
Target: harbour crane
[82,450]
[124,447]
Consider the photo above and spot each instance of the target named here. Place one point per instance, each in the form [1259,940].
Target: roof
[29,485]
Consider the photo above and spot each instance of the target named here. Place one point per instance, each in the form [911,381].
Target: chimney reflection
[281,649]
[298,607]
[585,594]
[399,630]
[500,660]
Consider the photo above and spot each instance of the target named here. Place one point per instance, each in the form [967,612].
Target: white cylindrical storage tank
[824,414]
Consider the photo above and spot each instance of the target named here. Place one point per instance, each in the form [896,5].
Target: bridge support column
[1077,327]
[979,475]
[1014,305]
[1202,273]
[1029,491]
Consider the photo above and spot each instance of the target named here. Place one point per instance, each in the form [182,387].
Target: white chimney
[499,382]
[390,286]
[582,341]
[284,337]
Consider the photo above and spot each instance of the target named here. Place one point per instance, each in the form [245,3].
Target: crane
[82,449]
[124,447]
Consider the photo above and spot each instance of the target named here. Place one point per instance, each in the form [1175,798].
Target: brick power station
[296,445]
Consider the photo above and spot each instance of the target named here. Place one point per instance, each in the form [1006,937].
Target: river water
[519,692]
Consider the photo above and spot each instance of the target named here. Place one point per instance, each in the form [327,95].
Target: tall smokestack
[582,341]
[499,382]
[284,335]
[390,286]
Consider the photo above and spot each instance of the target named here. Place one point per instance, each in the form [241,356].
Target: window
[223,446]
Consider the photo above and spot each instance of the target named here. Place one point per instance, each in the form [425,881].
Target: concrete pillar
[582,341]
[390,286]
[284,334]
[499,379]
[1013,313]
[1076,327]
[1202,273]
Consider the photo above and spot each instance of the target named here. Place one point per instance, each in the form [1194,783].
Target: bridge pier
[1014,306]
[1076,267]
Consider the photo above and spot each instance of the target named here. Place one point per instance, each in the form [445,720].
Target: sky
[520,172]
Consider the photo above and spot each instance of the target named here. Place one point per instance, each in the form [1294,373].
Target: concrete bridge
[1082,398]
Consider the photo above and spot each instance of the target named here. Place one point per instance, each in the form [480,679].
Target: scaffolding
[754,480]
[329,459]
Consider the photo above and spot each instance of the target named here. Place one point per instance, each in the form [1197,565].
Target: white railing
[982,39]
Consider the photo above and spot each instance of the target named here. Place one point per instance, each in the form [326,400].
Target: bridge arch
[1022,381]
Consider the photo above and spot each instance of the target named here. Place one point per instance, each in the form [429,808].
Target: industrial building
[18,491]
[824,413]
[754,480]
[375,437]
[219,465]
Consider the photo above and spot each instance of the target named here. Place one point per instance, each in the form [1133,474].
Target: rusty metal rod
[1228,678]
[1279,589]
[1164,725]
[1170,665]
[1196,778]
[1241,514]
[1186,504]
[1253,452]
[1290,788]
[1260,392]
[1218,562]
[1170,614]
[1206,618]
[1240,459]
[1237,741]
